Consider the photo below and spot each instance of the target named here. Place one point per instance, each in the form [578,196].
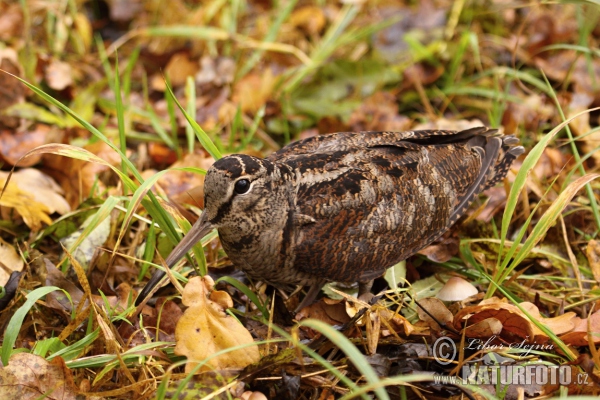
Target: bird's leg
[364,287]
[310,297]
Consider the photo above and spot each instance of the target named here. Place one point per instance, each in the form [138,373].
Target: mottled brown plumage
[346,206]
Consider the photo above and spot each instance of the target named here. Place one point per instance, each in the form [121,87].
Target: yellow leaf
[33,195]
[10,260]
[205,329]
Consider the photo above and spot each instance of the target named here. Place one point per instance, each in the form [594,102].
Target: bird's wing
[377,198]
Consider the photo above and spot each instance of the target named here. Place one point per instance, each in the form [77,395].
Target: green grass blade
[521,178]
[357,358]
[15,323]
[249,293]
[200,134]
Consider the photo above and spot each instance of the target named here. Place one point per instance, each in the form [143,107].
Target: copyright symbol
[444,350]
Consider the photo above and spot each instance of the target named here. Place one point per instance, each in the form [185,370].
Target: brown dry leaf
[442,250]
[10,260]
[397,323]
[593,255]
[57,299]
[177,71]
[11,21]
[570,65]
[253,91]
[533,110]
[29,377]
[309,18]
[378,112]
[487,328]
[11,90]
[77,177]
[15,144]
[161,154]
[59,75]
[330,311]
[579,102]
[205,329]
[186,187]
[579,335]
[558,325]
[437,309]
[515,324]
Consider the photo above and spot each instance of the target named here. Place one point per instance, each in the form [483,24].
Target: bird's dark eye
[242,186]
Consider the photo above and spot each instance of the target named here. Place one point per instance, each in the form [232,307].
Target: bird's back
[375,198]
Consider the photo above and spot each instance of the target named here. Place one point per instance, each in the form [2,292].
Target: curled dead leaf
[516,326]
[487,328]
[28,376]
[579,335]
[205,329]
[434,311]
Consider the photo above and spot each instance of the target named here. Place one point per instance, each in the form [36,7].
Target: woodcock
[345,206]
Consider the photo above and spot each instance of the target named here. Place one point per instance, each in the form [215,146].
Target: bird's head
[236,185]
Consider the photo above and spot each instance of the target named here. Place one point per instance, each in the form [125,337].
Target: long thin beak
[200,229]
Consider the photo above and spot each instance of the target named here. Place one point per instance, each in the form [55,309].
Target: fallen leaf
[177,71]
[15,144]
[11,21]
[161,154]
[579,335]
[88,246]
[434,311]
[77,177]
[58,299]
[487,328]
[558,325]
[29,377]
[516,326]
[533,110]
[205,329]
[23,202]
[184,186]
[11,261]
[397,323]
[580,101]
[593,255]
[378,112]
[42,187]
[59,75]
[308,18]
[568,66]
[442,250]
[253,90]
[11,90]
[330,311]
[217,72]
